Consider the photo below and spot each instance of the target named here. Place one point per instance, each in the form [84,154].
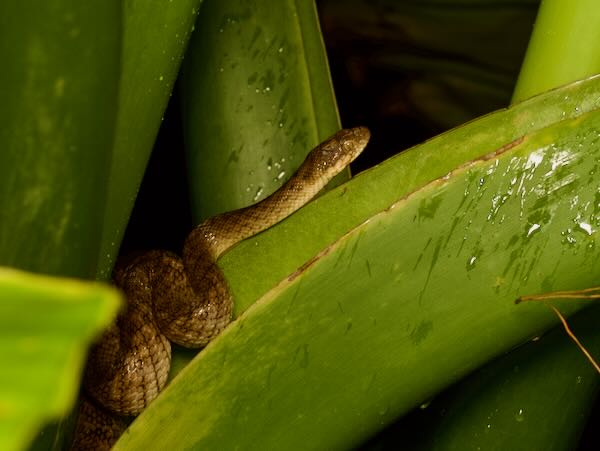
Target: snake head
[337,152]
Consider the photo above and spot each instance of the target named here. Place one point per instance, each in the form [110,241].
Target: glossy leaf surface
[402,305]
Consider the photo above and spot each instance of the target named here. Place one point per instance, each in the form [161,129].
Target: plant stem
[564,46]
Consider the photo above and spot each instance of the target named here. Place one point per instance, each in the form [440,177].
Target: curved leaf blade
[495,408]
[59,101]
[155,35]
[46,325]
[257,98]
[259,263]
[398,308]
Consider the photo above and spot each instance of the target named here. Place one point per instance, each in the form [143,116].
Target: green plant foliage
[370,300]
[257,98]
[513,403]
[257,264]
[544,389]
[407,302]
[58,86]
[563,46]
[155,35]
[46,326]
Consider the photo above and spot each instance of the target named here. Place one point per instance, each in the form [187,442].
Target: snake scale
[186,300]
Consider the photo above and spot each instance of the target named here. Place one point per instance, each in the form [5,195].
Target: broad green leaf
[408,301]
[155,35]
[511,403]
[257,264]
[566,32]
[257,98]
[46,325]
[58,86]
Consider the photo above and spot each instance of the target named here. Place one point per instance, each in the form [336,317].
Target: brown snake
[187,300]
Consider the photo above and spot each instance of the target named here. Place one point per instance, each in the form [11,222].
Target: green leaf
[257,98]
[155,36]
[281,250]
[567,31]
[408,301]
[58,86]
[511,403]
[46,326]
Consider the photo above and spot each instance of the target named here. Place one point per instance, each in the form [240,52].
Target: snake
[186,300]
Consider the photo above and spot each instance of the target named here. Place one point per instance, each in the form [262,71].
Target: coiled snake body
[187,300]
